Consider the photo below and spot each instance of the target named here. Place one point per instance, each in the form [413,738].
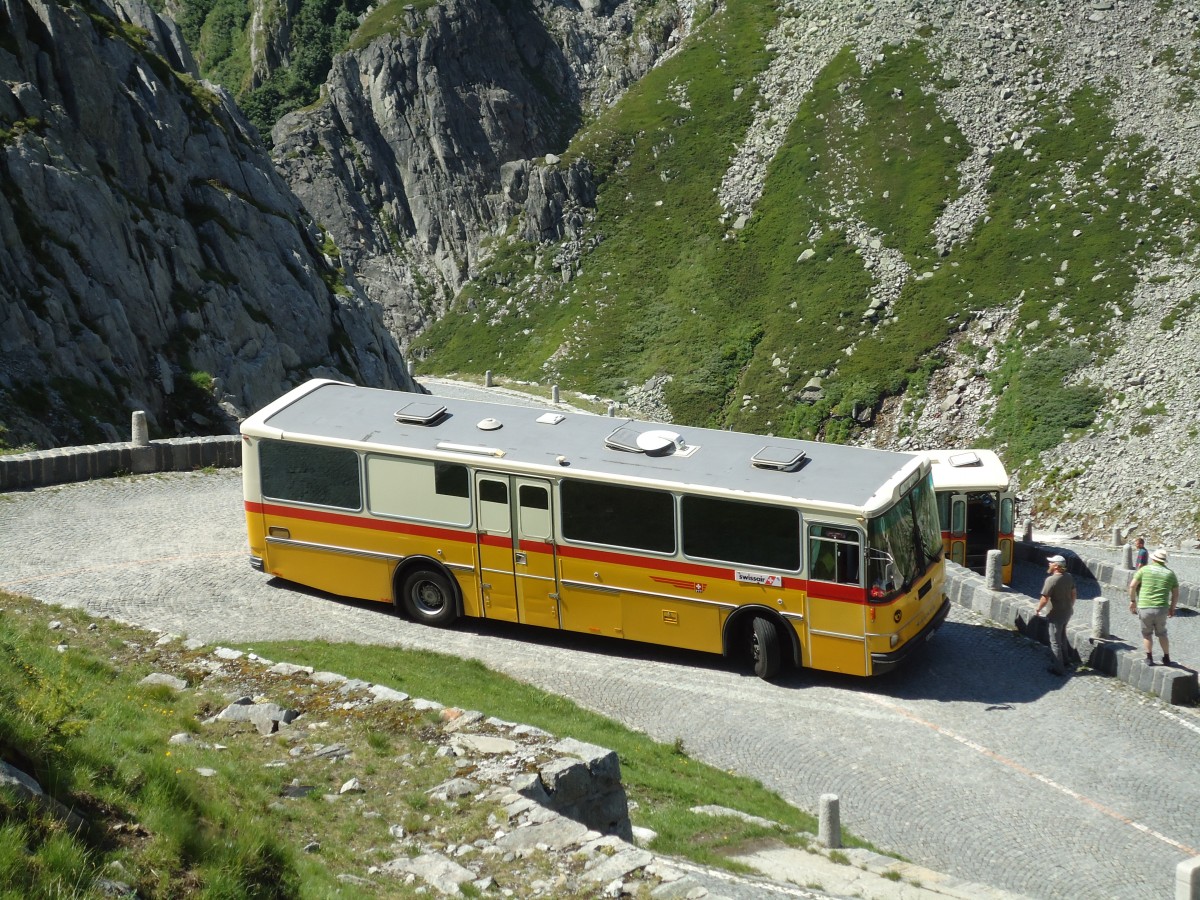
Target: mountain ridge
[901,224]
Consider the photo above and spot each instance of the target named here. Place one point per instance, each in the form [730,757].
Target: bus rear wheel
[764,648]
[428,597]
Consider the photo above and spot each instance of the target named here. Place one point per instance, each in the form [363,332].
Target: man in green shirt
[1153,594]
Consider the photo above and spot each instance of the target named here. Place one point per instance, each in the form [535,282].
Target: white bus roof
[967,470]
[549,443]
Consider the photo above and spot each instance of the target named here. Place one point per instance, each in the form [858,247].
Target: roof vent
[420,413]
[488,424]
[785,459]
[660,443]
[964,459]
[652,442]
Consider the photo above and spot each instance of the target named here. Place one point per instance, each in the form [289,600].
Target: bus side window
[835,555]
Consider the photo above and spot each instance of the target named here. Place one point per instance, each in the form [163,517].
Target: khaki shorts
[1154,621]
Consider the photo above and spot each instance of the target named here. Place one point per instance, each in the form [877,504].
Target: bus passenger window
[534,509]
[309,473]
[596,512]
[835,555]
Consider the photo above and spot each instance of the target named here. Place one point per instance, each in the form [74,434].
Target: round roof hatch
[653,442]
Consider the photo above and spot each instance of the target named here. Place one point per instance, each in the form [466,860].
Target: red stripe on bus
[843,593]
[331,518]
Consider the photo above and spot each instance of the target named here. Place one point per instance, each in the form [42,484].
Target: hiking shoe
[1166,660]
[1149,660]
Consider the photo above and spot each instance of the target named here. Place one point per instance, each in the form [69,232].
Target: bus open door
[1004,537]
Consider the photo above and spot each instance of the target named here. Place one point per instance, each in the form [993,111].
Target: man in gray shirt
[1059,593]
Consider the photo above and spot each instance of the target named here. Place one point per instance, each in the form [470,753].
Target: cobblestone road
[972,761]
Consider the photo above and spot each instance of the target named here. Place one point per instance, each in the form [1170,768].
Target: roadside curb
[1100,653]
[42,468]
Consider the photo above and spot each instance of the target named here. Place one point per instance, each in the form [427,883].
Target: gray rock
[175,684]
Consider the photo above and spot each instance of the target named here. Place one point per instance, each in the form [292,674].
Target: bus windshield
[903,542]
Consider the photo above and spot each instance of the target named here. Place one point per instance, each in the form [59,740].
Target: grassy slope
[671,290]
[79,722]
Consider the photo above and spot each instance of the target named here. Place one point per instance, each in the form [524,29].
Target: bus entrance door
[958,528]
[493,518]
[533,558]
[516,549]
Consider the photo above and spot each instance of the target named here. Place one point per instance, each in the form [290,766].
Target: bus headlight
[895,639]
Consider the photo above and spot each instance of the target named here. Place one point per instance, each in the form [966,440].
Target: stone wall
[23,471]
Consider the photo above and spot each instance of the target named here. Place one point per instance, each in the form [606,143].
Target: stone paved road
[973,761]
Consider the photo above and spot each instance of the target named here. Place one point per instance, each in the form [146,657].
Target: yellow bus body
[551,581]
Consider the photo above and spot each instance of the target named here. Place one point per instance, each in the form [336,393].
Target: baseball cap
[1057,560]
[1159,555]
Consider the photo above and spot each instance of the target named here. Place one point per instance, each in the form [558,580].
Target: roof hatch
[420,412]
[785,459]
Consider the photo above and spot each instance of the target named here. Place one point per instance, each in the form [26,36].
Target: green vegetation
[1180,311]
[755,311]
[186,819]
[202,381]
[661,779]
[217,31]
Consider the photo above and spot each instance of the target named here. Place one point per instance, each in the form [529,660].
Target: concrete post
[612,409]
[141,435]
[487,378]
[993,572]
[1117,539]
[1027,532]
[554,394]
[829,829]
[1101,618]
[1127,556]
[142,457]
[1187,879]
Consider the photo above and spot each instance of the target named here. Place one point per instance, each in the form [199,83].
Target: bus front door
[516,549]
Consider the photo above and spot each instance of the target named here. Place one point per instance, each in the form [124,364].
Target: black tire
[764,648]
[429,598]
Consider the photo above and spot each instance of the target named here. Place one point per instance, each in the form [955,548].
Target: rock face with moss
[151,257]
[437,132]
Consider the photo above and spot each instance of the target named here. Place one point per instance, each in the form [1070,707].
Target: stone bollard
[993,572]
[142,457]
[612,410]
[487,378]
[829,829]
[1187,879]
[554,393]
[141,434]
[1127,556]
[1117,539]
[1027,533]
[1101,624]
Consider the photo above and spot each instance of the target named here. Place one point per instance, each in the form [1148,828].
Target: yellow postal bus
[784,552]
[976,508]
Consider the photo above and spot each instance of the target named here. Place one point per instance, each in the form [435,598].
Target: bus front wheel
[428,597]
[764,648]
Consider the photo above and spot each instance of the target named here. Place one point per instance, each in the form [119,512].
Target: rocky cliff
[439,133]
[151,257]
